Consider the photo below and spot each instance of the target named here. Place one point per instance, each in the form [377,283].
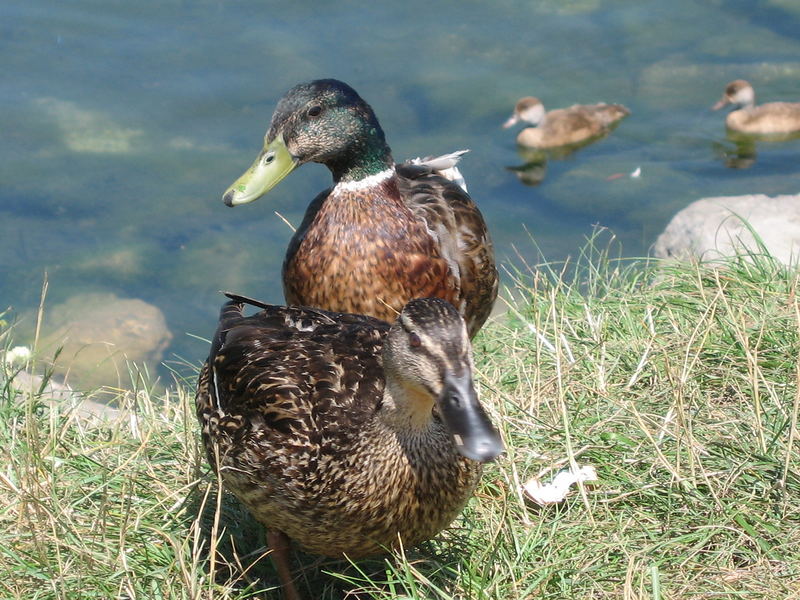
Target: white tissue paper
[557,489]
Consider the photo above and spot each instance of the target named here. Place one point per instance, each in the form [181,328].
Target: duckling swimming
[384,233]
[772,118]
[578,124]
[343,432]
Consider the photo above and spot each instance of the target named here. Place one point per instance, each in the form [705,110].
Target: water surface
[123,123]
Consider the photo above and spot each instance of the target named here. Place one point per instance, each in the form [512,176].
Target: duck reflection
[531,172]
[739,150]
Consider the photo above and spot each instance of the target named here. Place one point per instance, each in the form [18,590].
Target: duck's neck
[381,179]
[373,207]
[745,98]
[406,409]
[369,156]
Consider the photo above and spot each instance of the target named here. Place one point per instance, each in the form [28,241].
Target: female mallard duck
[772,118]
[384,233]
[340,431]
[564,126]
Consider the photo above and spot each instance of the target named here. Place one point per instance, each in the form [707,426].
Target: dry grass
[681,393]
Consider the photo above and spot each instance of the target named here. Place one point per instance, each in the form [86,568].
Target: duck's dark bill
[723,102]
[473,432]
[273,164]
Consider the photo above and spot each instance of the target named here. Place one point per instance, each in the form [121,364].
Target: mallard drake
[564,126]
[384,233]
[766,119]
[341,432]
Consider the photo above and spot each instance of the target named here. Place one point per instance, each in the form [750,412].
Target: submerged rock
[84,130]
[97,333]
[711,228]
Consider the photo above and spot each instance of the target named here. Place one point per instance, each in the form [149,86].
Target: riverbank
[678,386]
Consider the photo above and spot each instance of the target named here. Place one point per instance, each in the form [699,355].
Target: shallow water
[124,122]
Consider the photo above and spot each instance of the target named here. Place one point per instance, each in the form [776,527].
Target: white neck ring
[362,184]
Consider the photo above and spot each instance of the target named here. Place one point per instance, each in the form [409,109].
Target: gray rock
[715,227]
[98,333]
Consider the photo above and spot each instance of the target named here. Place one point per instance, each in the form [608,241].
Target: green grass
[679,385]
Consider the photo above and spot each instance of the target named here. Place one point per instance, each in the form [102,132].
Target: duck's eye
[314,111]
[269,157]
[414,341]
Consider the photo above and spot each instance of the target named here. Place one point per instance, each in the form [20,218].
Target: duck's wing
[768,118]
[457,226]
[289,376]
[570,125]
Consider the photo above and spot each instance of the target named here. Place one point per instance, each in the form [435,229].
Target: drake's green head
[323,121]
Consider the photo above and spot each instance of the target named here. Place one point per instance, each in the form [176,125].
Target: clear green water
[123,123]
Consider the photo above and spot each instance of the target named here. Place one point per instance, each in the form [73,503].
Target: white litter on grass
[557,489]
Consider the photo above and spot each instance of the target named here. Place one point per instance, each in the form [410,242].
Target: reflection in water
[534,167]
[531,173]
[740,152]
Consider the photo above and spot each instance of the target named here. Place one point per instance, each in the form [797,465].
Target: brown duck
[340,431]
[385,233]
[578,124]
[768,119]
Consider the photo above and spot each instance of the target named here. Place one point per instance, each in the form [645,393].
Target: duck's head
[428,359]
[738,93]
[528,109]
[322,121]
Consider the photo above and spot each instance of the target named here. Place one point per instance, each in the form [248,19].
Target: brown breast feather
[354,254]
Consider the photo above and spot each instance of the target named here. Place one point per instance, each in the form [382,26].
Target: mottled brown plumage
[324,426]
[384,233]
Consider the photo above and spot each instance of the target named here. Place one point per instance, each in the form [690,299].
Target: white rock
[712,228]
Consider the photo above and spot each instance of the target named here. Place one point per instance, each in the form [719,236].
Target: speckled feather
[290,416]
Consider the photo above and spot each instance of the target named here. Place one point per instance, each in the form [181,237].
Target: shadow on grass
[242,560]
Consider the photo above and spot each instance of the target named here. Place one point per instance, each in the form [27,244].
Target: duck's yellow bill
[273,164]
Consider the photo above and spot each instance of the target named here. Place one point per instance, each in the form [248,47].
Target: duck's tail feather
[444,165]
